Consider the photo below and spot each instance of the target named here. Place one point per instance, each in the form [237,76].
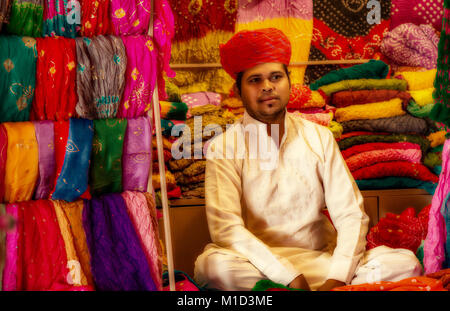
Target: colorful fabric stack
[173,190]
[417,12]
[293,18]
[200,28]
[26,18]
[346,30]
[382,144]
[80,246]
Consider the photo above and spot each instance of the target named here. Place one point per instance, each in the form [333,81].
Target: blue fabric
[73,180]
[445,211]
[395,183]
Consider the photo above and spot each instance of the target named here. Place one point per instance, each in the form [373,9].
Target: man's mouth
[268,99]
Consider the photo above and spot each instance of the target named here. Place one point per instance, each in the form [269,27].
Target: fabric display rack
[76,135]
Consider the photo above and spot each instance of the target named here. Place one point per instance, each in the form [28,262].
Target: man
[264,208]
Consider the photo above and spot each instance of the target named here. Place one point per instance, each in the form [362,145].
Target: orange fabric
[418,283]
[247,49]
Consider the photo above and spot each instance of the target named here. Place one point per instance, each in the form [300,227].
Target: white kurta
[265,215]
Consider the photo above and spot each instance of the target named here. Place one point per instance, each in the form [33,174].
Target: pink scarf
[12,237]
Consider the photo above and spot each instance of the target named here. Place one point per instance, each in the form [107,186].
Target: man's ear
[236,91]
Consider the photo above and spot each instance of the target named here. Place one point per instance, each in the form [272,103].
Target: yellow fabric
[22,162]
[170,180]
[437,139]
[166,143]
[419,80]
[385,109]
[299,32]
[336,129]
[69,216]
[232,102]
[423,97]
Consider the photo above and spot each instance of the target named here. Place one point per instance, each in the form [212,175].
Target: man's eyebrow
[257,75]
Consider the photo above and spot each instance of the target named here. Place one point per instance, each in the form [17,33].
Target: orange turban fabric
[247,49]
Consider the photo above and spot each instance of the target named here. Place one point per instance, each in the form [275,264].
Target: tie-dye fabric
[60,18]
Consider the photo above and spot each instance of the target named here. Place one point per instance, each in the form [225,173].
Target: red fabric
[61,130]
[55,95]
[443,276]
[418,283]
[396,168]
[299,95]
[3,152]
[358,133]
[175,193]
[167,154]
[42,259]
[361,97]
[247,49]
[377,146]
[399,231]
[95,18]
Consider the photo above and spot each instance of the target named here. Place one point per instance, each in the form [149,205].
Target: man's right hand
[299,283]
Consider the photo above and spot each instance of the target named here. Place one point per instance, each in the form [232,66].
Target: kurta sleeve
[346,207]
[223,193]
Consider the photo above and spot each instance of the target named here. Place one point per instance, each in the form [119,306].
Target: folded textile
[323,119]
[396,168]
[372,157]
[437,138]
[386,109]
[443,276]
[433,159]
[114,246]
[181,164]
[17,77]
[268,285]
[374,69]
[365,84]
[418,283]
[171,183]
[396,183]
[347,98]
[405,124]
[196,168]
[26,18]
[130,17]
[185,180]
[303,97]
[423,97]
[173,111]
[418,80]
[59,19]
[417,111]
[45,138]
[336,129]
[200,110]
[201,98]
[356,149]
[411,45]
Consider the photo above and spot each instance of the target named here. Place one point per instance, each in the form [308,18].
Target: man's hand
[330,284]
[299,283]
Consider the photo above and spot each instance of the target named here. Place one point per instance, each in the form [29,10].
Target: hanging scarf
[435,243]
[106,161]
[5,9]
[140,76]
[22,162]
[95,18]
[46,146]
[17,77]
[69,216]
[10,270]
[61,133]
[130,17]
[3,154]
[118,262]
[56,95]
[73,179]
[99,59]
[137,154]
[26,18]
[59,19]
[139,213]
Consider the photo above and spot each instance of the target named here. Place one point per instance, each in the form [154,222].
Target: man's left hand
[330,284]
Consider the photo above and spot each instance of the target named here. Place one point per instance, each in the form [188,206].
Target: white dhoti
[225,269]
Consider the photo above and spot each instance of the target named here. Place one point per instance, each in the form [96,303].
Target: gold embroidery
[119,13]
[8,64]
[230,6]
[27,93]
[354,5]
[71,146]
[195,6]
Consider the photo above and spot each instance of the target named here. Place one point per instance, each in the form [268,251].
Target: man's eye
[276,77]
[254,80]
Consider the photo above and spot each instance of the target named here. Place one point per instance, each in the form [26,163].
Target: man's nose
[267,85]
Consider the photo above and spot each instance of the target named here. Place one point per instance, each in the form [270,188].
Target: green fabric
[365,84]
[396,183]
[17,77]
[264,285]
[106,158]
[175,111]
[437,149]
[441,109]
[418,111]
[433,159]
[336,128]
[166,127]
[363,139]
[374,69]
[420,253]
[437,169]
[26,18]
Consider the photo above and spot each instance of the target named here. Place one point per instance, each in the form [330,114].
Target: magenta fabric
[130,17]
[434,247]
[140,76]
[137,154]
[201,98]
[47,167]
[140,217]
[274,9]
[376,156]
[417,12]
[3,154]
[9,281]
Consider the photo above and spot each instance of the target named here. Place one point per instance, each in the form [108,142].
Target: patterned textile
[347,98]
[21,162]
[26,18]
[59,19]
[5,9]
[106,160]
[96,18]
[55,95]
[201,98]
[354,150]
[342,31]
[364,84]
[369,158]
[140,76]
[137,155]
[303,97]
[99,59]
[114,246]
[418,283]
[17,77]
[405,124]
[3,154]
[417,12]
[411,45]
[319,118]
[130,17]
[418,80]
[386,109]
[46,143]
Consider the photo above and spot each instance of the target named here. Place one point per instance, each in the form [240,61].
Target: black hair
[240,74]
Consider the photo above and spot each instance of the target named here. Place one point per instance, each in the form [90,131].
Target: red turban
[247,49]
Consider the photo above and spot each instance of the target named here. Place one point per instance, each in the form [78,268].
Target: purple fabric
[137,155]
[434,247]
[411,45]
[45,139]
[118,262]
[252,10]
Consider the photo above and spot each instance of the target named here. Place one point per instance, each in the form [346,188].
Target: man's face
[265,91]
